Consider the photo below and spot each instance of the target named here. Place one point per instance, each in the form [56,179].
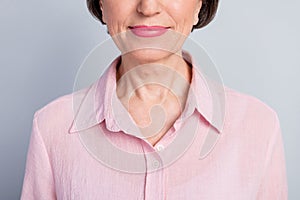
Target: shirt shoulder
[59,113]
[249,111]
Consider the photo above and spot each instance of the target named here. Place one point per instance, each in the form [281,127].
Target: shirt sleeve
[274,182]
[38,183]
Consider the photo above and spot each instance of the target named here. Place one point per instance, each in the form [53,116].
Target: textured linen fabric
[68,158]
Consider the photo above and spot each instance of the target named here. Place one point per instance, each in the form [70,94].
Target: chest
[154,120]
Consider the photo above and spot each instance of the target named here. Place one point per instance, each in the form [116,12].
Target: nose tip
[149,7]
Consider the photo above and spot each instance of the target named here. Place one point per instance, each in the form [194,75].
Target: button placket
[154,180]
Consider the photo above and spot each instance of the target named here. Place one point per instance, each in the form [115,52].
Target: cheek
[109,13]
[114,22]
[114,11]
[181,11]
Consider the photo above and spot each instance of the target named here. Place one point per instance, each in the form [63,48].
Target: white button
[160,147]
[155,164]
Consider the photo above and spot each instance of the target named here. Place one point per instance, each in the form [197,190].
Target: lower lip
[146,31]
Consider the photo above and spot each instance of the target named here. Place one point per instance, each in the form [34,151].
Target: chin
[144,56]
[149,49]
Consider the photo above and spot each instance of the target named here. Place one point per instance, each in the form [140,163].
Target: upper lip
[148,27]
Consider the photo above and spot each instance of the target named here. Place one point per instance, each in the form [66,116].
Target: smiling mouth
[148,31]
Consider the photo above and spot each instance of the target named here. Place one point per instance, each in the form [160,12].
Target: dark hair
[206,14]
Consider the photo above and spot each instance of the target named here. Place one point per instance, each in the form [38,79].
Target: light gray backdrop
[255,45]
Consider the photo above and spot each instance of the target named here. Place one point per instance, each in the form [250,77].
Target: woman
[137,131]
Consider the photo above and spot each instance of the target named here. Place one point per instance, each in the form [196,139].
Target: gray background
[255,45]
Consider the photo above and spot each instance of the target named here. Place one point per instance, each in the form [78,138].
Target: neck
[152,81]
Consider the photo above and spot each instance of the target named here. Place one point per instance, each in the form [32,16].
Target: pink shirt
[96,152]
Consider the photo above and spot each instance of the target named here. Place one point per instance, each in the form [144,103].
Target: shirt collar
[207,95]
[94,105]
